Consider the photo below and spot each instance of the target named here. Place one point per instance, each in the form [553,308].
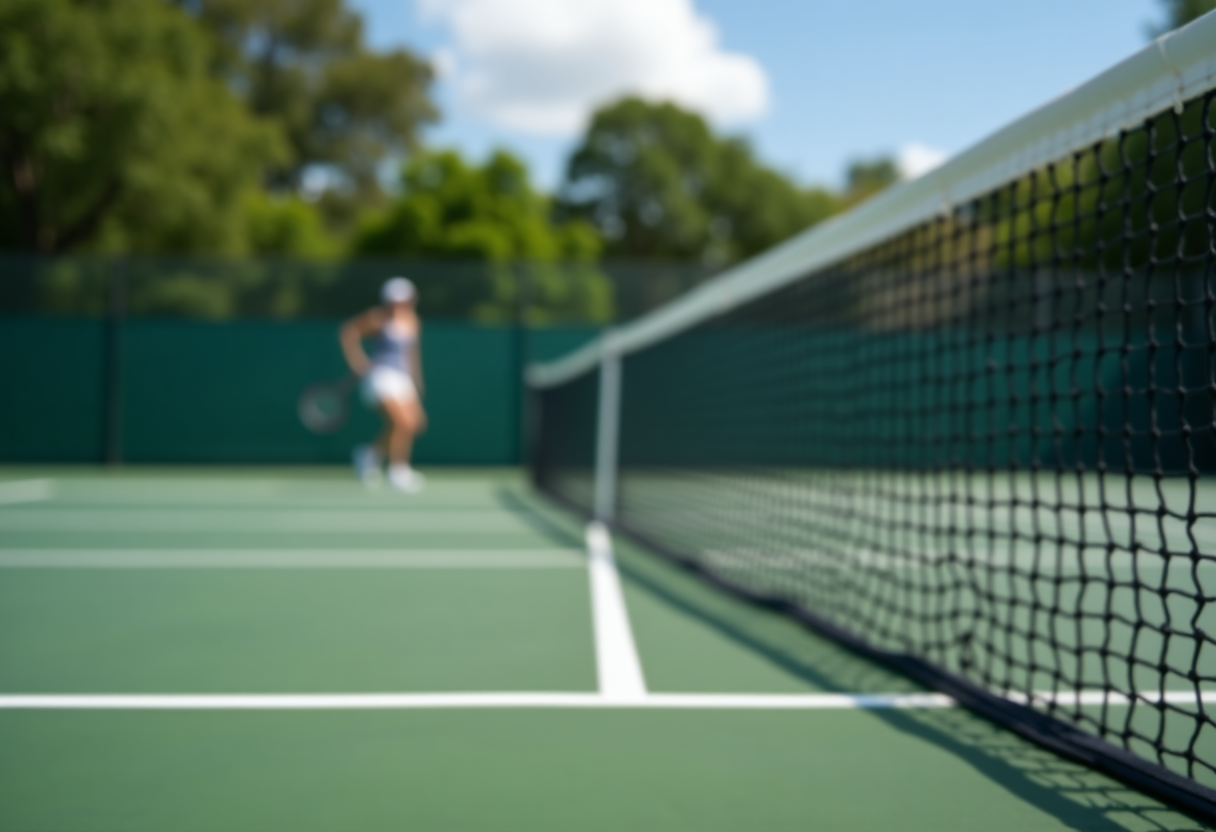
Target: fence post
[115,314]
[519,398]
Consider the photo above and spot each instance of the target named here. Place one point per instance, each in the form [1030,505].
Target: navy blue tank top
[393,348]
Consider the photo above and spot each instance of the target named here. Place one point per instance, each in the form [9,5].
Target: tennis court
[280,649]
[908,522]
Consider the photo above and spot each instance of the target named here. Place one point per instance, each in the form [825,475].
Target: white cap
[398,290]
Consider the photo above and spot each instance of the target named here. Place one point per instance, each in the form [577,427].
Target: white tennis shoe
[404,478]
[367,465]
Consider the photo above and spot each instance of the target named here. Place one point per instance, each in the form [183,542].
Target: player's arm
[351,337]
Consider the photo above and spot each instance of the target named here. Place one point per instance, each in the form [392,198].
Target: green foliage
[286,227]
[114,134]
[304,65]
[453,210]
[1133,205]
[658,184]
[865,178]
[1178,13]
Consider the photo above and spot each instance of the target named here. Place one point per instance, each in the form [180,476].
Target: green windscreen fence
[52,373]
[190,360]
[226,392]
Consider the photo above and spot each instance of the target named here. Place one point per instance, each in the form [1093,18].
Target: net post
[607,429]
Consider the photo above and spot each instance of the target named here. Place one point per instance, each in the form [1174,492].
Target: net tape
[981,448]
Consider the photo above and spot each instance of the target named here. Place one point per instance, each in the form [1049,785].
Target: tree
[286,227]
[449,208]
[865,178]
[303,64]
[474,215]
[115,136]
[1178,13]
[658,184]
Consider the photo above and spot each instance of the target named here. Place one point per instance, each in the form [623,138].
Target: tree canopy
[452,209]
[658,184]
[286,226]
[303,64]
[116,135]
[865,178]
[147,126]
[195,127]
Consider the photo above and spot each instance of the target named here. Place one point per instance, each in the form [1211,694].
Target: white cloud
[916,159]
[444,62]
[541,66]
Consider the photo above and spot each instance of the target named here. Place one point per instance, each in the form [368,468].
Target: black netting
[563,440]
[987,443]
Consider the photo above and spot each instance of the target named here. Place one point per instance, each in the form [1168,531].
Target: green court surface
[282,650]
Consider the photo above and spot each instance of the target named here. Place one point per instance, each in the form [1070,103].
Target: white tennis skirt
[386,383]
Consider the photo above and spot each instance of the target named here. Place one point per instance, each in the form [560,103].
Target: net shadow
[1075,796]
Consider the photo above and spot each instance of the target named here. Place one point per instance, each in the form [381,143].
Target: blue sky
[812,83]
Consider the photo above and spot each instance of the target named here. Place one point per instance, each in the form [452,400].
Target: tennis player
[391,382]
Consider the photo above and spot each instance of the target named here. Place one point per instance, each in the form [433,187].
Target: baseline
[415,701]
[406,701]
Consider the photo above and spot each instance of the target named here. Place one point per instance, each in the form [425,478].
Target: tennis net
[966,428]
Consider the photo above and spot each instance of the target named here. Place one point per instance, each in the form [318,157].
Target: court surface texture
[280,649]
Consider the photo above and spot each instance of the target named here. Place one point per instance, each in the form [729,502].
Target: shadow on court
[1078,798]
[538,513]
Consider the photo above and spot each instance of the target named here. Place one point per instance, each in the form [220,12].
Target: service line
[291,559]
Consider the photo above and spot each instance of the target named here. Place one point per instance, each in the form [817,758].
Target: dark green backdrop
[226,392]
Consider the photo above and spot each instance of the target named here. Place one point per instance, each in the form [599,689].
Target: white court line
[268,521]
[290,559]
[1100,697]
[408,701]
[449,701]
[25,491]
[616,656]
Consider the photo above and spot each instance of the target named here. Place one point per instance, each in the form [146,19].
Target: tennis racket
[323,407]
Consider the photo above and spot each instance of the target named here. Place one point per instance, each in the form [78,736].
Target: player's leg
[369,458]
[398,436]
[402,417]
